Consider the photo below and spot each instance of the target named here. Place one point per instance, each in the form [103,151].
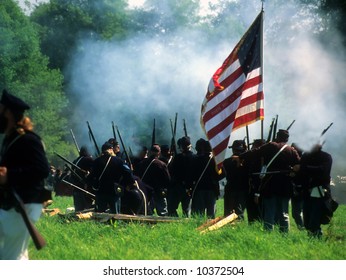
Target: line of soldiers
[264,179]
[156,181]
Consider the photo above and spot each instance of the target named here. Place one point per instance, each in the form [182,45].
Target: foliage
[90,240]
[63,22]
[24,72]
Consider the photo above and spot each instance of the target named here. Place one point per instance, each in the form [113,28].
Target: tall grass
[120,240]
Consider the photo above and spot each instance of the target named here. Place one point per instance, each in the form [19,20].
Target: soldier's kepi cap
[155,148]
[106,146]
[184,141]
[258,142]
[113,141]
[238,145]
[12,102]
[283,135]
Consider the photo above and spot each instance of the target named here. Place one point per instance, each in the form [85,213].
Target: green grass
[92,240]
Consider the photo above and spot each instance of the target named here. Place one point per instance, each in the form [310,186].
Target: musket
[175,124]
[113,128]
[82,180]
[74,140]
[83,190]
[270,130]
[71,163]
[326,129]
[247,137]
[124,148]
[37,238]
[153,137]
[273,172]
[185,130]
[275,128]
[288,128]
[174,130]
[195,186]
[130,152]
[93,138]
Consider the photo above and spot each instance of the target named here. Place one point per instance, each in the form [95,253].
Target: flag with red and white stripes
[235,93]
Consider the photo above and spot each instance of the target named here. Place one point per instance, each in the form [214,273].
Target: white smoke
[144,78]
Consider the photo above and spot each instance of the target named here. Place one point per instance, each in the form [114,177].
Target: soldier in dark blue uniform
[109,176]
[275,189]
[314,168]
[205,181]
[82,200]
[154,173]
[237,186]
[23,168]
[179,190]
[254,203]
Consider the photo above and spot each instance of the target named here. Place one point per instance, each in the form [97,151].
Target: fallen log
[221,223]
[106,217]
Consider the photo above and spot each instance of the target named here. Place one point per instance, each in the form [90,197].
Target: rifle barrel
[37,238]
[326,129]
[275,127]
[113,128]
[288,128]
[271,130]
[175,124]
[93,138]
[122,143]
[174,131]
[272,172]
[71,163]
[74,140]
[247,137]
[73,185]
[153,137]
[185,129]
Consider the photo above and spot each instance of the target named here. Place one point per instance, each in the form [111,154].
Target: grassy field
[120,240]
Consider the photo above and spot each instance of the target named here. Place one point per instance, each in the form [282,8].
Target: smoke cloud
[146,78]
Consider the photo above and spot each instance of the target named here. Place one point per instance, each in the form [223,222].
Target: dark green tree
[24,71]
[64,22]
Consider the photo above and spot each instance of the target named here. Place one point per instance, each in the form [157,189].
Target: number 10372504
[220,270]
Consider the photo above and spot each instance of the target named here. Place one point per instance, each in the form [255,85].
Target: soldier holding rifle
[237,186]
[179,190]
[275,188]
[84,161]
[315,168]
[204,181]
[23,169]
[154,173]
[109,176]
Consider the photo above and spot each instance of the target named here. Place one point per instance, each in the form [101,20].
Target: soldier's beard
[3,123]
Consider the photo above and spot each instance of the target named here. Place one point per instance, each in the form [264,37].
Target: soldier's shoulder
[28,135]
